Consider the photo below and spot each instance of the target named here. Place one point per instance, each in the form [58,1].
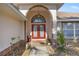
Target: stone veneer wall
[18,49]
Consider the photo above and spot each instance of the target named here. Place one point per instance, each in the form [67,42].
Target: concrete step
[37,44]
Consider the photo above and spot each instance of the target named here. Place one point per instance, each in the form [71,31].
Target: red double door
[38,31]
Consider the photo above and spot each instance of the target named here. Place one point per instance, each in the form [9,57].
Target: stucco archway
[44,11]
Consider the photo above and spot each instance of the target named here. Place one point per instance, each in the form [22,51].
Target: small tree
[60,40]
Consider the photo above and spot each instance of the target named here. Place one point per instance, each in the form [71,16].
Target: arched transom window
[38,19]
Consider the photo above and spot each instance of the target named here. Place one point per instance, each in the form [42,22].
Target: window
[77,30]
[38,19]
[68,25]
[68,30]
[68,33]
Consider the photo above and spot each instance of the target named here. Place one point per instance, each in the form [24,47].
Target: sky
[70,7]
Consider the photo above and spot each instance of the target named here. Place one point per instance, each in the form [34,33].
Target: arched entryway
[38,24]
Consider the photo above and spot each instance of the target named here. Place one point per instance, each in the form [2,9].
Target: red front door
[38,31]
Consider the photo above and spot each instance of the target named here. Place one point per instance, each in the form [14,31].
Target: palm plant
[60,40]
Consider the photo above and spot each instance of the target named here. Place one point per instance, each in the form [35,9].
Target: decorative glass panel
[38,19]
[41,31]
[35,31]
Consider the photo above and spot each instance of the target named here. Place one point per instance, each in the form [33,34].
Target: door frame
[38,31]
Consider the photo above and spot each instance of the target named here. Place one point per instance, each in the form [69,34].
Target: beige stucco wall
[10,27]
[54,28]
[51,21]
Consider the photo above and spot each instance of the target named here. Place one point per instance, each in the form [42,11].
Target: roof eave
[59,5]
[13,8]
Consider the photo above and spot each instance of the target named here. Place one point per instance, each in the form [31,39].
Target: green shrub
[60,40]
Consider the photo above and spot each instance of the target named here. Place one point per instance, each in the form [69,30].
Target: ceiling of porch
[29,5]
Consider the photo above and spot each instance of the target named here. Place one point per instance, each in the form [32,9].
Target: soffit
[27,6]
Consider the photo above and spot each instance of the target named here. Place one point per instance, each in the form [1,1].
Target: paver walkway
[45,50]
[39,51]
